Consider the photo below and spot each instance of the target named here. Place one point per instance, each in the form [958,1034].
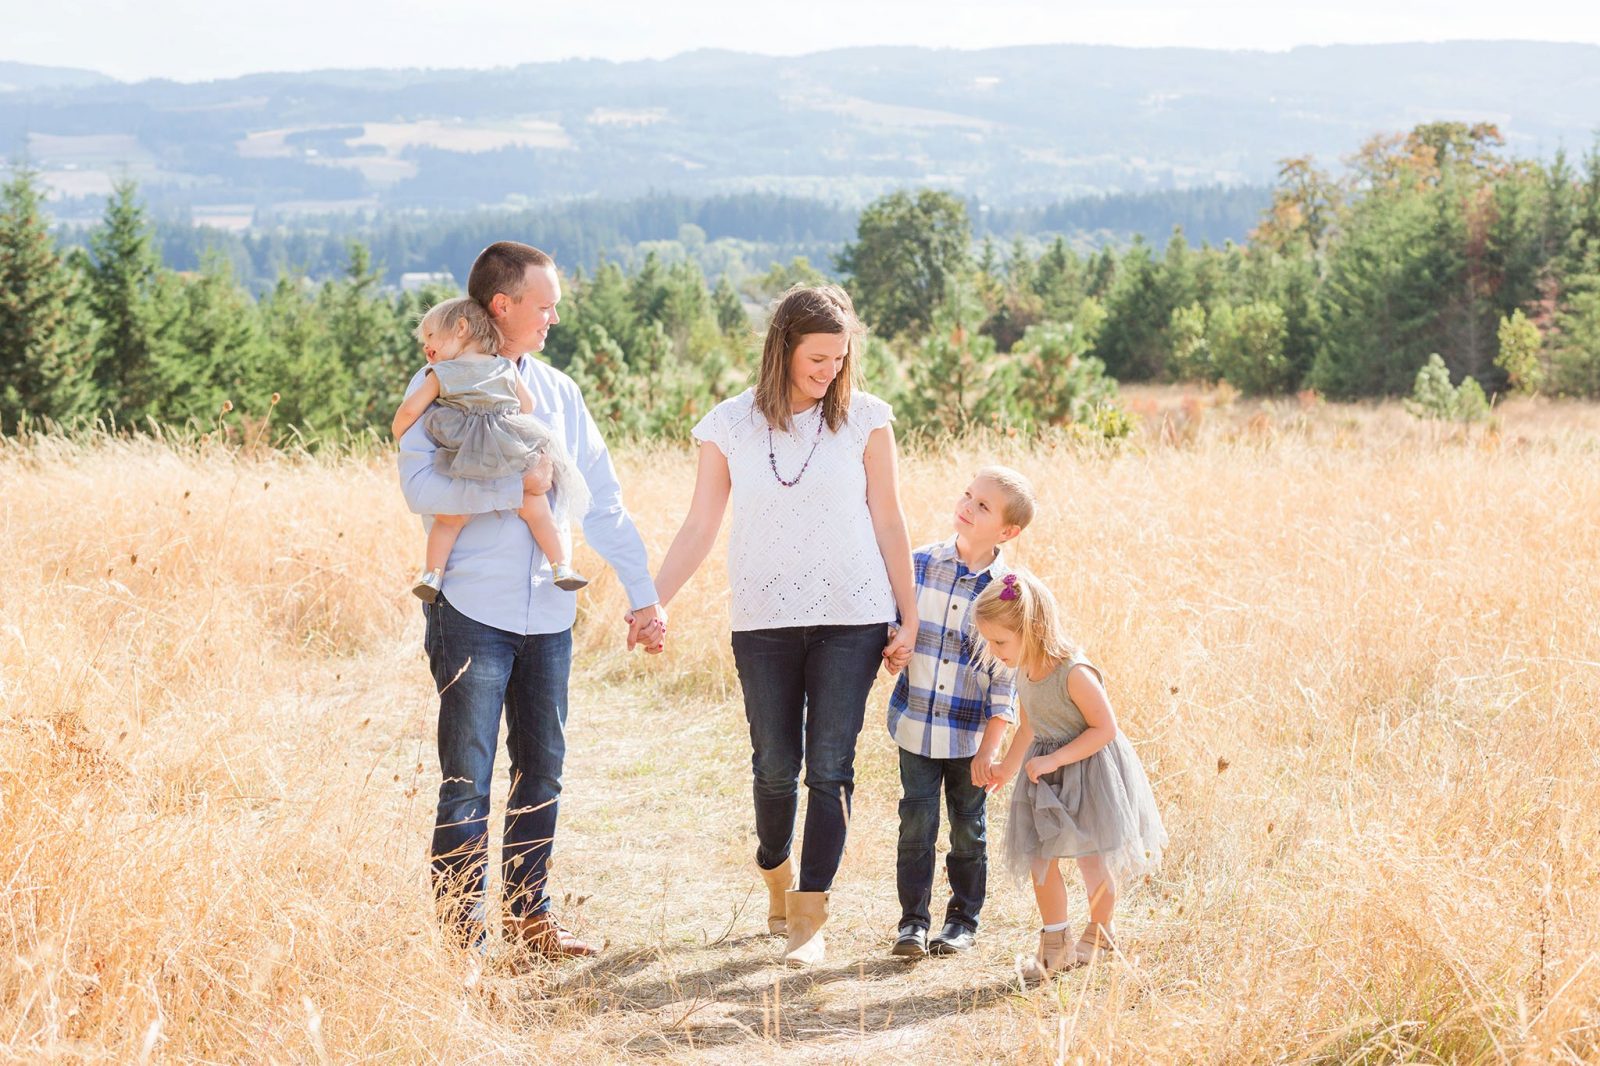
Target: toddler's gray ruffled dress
[1101,805]
[482,433]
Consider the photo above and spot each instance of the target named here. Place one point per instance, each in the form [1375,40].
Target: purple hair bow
[1010,591]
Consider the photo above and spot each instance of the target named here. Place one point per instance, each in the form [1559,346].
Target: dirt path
[654,856]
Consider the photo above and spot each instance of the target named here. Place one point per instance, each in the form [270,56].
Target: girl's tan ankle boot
[1052,957]
[1096,940]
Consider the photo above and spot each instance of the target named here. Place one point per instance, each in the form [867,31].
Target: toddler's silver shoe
[568,579]
[428,585]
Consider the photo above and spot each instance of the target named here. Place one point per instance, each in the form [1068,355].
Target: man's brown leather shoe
[543,935]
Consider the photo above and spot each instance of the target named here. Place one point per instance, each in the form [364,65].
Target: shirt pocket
[554,418]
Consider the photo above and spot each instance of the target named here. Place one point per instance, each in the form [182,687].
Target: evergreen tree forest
[1429,251]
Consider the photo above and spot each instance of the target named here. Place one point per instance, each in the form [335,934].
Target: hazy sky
[194,40]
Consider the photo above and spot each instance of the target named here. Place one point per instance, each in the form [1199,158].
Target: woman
[819,562]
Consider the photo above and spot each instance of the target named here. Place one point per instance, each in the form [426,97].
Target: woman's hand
[647,626]
[897,653]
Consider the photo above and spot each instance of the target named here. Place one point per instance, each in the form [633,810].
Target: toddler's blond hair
[442,318]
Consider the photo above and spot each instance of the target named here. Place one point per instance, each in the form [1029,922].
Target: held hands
[986,771]
[897,653]
[647,626]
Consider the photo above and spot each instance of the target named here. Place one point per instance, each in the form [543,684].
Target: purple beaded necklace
[772,454]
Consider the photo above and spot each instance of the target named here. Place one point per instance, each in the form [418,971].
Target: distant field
[1357,653]
[88,164]
[86,149]
[465,136]
[392,137]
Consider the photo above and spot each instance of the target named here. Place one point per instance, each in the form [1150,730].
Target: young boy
[949,713]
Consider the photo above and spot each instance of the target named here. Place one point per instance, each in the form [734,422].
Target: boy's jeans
[967,864]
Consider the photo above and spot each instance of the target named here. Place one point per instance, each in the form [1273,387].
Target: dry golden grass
[1358,654]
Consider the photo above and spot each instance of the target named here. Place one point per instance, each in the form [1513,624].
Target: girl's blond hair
[442,318]
[1032,614]
[801,311]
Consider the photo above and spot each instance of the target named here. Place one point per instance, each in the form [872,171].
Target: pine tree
[1575,360]
[685,310]
[611,393]
[731,317]
[948,385]
[1059,381]
[1294,285]
[1059,280]
[1380,301]
[607,302]
[213,349]
[124,272]
[1133,342]
[316,385]
[1575,335]
[370,336]
[44,339]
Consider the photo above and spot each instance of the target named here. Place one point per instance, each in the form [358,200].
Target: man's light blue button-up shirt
[497,575]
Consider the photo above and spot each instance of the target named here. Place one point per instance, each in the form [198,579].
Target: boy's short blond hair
[1017,491]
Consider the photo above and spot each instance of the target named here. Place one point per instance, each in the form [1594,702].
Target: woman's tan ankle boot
[1053,956]
[807,912]
[780,880]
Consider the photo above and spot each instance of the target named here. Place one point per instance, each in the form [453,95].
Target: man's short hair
[503,267]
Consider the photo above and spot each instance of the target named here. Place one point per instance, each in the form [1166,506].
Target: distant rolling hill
[1011,126]
[18,77]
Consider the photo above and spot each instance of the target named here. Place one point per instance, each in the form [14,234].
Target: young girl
[1080,790]
[485,429]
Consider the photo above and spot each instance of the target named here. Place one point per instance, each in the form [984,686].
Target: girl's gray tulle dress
[1101,805]
[482,433]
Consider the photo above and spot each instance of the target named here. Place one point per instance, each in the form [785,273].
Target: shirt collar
[963,571]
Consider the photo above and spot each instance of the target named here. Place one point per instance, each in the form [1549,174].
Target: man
[500,634]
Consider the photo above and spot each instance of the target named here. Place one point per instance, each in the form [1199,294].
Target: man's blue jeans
[805,695]
[921,782]
[479,670]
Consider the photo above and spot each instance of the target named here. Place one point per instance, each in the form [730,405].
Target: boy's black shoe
[953,939]
[912,943]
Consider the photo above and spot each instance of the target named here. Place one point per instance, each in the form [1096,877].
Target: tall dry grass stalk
[1359,656]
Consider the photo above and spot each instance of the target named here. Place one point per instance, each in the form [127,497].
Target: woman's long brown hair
[801,311]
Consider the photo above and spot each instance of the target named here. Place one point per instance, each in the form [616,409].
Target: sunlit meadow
[1358,653]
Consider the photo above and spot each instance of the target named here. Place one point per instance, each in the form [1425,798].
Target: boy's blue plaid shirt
[943,698]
